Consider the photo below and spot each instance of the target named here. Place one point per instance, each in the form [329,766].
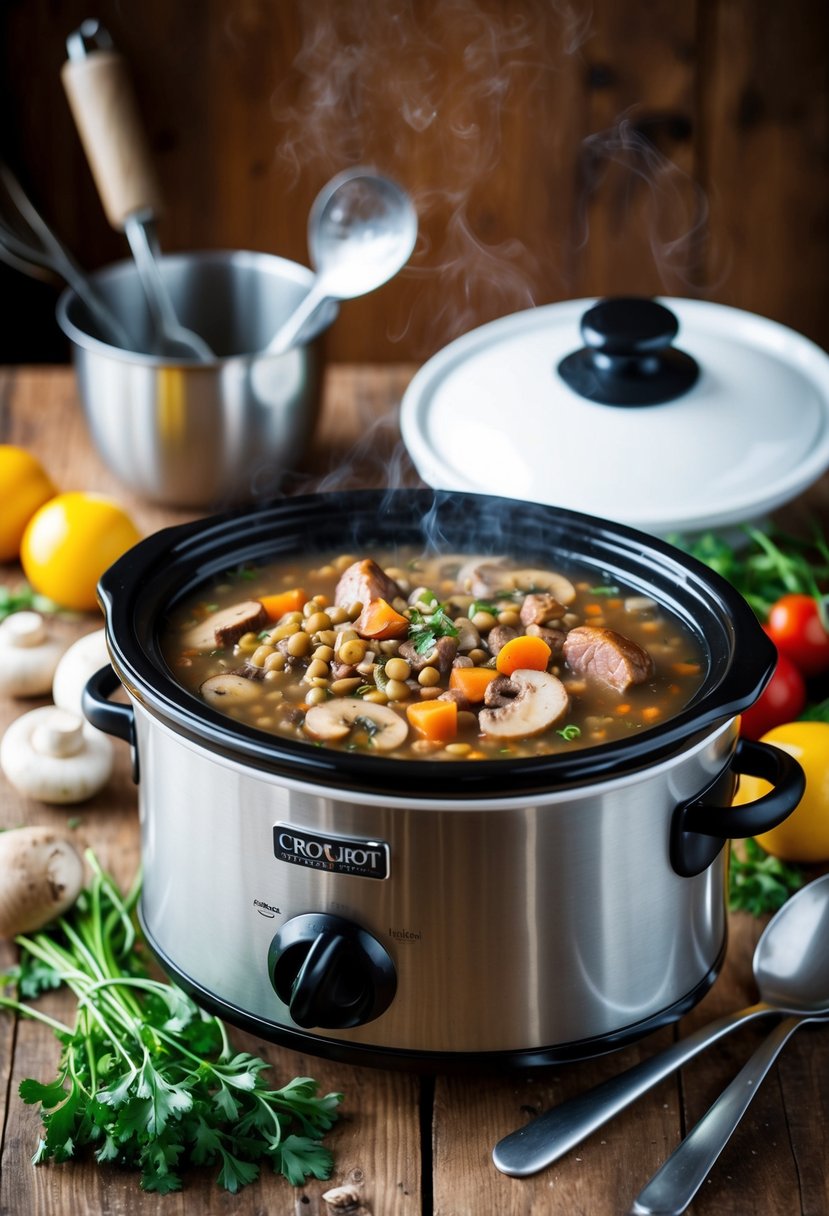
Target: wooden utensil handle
[105,111]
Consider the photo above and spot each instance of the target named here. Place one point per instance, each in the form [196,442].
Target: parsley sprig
[759,883]
[769,565]
[22,598]
[426,627]
[146,1079]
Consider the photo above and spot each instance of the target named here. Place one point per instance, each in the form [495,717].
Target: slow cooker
[423,913]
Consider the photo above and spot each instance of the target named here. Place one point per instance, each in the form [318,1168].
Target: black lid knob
[628,358]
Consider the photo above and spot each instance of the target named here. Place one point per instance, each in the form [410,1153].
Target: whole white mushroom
[81,660]
[29,655]
[41,875]
[49,754]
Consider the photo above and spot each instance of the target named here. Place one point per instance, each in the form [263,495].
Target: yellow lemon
[804,836]
[24,487]
[70,542]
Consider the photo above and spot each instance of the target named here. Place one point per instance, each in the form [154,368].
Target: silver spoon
[362,229]
[791,969]
[106,114]
[677,1181]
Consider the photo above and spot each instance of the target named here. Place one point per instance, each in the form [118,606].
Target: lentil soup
[441,657]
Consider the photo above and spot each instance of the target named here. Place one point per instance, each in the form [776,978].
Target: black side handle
[111,717]
[700,828]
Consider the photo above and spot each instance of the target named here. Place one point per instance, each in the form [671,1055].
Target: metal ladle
[791,969]
[362,229]
[103,105]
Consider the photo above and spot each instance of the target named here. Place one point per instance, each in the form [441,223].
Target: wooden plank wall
[555,148]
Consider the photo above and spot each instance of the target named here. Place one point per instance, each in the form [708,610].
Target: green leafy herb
[816,713]
[604,589]
[569,733]
[769,565]
[23,599]
[426,627]
[759,883]
[483,606]
[145,1077]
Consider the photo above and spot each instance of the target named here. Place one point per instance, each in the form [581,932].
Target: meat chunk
[553,637]
[364,581]
[441,655]
[225,627]
[606,656]
[539,607]
[498,637]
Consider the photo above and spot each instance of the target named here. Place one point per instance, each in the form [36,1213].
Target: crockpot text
[364,858]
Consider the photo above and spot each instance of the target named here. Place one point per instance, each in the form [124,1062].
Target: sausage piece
[364,581]
[606,656]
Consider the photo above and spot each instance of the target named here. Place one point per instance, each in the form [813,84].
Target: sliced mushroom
[532,702]
[225,627]
[530,579]
[334,720]
[228,689]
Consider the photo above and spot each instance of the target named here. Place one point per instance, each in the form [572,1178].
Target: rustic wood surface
[555,148]
[407,1145]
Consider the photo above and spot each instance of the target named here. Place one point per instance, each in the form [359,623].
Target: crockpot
[432,913]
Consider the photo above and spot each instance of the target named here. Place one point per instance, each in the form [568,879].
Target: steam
[369,81]
[631,171]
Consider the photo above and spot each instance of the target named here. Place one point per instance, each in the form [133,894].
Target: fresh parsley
[23,599]
[145,1077]
[768,565]
[426,627]
[759,883]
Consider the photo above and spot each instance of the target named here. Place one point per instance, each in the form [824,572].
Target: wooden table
[407,1145]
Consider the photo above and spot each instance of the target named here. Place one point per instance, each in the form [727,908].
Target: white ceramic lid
[490,413]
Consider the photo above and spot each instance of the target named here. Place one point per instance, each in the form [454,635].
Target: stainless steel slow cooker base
[361,1055]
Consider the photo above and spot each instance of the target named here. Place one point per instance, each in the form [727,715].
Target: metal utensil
[676,1182]
[791,969]
[362,229]
[28,244]
[103,105]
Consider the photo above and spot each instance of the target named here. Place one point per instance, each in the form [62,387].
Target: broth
[442,657]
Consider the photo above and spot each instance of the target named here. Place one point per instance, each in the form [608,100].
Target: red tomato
[795,627]
[782,700]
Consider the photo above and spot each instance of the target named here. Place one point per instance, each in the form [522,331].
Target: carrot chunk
[434,720]
[524,653]
[472,682]
[284,601]
[379,620]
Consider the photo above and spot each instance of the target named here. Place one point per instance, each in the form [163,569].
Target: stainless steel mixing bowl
[201,434]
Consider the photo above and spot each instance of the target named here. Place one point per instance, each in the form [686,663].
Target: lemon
[68,544]
[24,487]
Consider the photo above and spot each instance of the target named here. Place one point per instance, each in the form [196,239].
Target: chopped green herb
[363,689]
[759,883]
[483,606]
[568,733]
[426,628]
[145,1077]
[604,589]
